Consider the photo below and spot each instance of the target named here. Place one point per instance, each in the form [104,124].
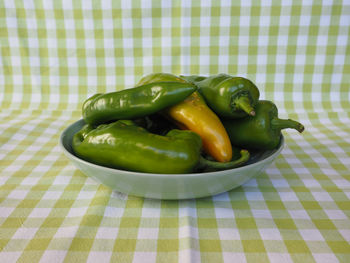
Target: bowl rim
[132,173]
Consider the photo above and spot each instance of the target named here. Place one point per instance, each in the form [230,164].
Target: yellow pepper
[194,114]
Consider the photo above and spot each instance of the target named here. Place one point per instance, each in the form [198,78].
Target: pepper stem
[243,103]
[204,163]
[277,123]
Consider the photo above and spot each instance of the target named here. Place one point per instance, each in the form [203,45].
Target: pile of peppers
[179,124]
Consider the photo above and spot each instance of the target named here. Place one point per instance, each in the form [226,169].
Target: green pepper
[134,103]
[193,78]
[262,131]
[159,77]
[124,145]
[227,96]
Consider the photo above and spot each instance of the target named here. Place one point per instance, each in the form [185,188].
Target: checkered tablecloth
[54,54]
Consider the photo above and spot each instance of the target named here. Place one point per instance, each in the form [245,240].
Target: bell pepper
[124,145]
[134,103]
[227,96]
[193,114]
[262,131]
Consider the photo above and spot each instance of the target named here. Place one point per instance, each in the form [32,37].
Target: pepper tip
[301,128]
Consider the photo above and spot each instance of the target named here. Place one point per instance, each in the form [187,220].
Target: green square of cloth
[246,223]
[208,256]
[253,246]
[166,256]
[124,245]
[296,246]
[275,205]
[168,222]
[339,247]
[121,256]
[210,245]
[167,245]
[207,223]
[285,223]
[324,224]
[81,244]
[302,257]
[91,220]
[257,257]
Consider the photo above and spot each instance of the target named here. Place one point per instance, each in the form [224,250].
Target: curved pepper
[262,131]
[124,145]
[193,114]
[227,96]
[136,102]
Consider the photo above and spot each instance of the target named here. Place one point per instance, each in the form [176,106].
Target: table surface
[53,56]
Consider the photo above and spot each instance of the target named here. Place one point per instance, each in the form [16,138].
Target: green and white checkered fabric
[54,54]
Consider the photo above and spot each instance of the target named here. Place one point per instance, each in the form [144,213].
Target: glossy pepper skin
[193,78]
[227,96]
[160,77]
[134,103]
[194,114]
[262,131]
[124,145]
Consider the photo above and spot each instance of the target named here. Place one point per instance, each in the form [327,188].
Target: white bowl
[169,186]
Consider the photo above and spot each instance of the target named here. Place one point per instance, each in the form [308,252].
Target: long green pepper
[134,103]
[123,145]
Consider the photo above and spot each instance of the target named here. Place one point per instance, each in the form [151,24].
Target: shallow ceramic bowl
[169,186]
